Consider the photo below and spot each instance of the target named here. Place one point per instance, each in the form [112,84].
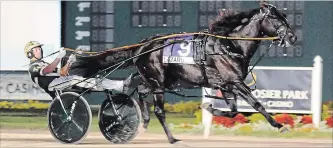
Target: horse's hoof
[284,129]
[180,144]
[206,105]
[145,125]
[142,129]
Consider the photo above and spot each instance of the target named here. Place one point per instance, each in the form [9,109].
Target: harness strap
[260,58]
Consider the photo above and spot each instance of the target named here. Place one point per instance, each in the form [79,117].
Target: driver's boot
[127,83]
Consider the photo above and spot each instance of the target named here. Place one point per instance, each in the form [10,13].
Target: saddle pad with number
[179,52]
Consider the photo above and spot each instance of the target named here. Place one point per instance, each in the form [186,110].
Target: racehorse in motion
[225,64]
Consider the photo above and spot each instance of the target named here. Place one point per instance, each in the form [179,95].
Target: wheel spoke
[120,106]
[123,112]
[129,115]
[130,121]
[108,111]
[108,114]
[77,126]
[60,126]
[58,116]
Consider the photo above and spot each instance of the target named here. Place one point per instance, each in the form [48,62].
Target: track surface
[10,138]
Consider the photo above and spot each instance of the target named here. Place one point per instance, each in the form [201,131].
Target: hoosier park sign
[278,90]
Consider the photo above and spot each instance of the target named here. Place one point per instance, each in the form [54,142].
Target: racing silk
[37,76]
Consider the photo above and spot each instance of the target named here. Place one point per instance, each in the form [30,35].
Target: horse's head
[274,23]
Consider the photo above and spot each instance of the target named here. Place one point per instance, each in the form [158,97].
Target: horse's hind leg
[145,111]
[246,94]
[143,92]
[160,114]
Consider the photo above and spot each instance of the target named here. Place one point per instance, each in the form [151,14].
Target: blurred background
[100,25]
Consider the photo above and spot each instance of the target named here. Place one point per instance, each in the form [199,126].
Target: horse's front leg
[232,104]
[245,93]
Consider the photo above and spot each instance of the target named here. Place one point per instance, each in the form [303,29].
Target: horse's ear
[210,24]
[221,12]
[263,4]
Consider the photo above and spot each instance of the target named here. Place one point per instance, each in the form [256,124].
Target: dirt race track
[31,139]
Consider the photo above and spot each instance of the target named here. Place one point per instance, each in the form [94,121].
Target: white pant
[65,82]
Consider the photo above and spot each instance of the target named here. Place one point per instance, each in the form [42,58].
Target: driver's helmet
[28,48]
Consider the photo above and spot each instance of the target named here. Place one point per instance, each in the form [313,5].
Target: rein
[170,36]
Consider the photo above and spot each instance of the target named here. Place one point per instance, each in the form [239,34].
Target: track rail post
[316,90]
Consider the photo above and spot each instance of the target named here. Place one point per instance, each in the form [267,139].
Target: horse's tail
[104,59]
[113,56]
[126,52]
[120,55]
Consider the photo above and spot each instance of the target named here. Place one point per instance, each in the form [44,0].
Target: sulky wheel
[73,127]
[124,129]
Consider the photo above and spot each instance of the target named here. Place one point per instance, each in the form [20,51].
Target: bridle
[281,30]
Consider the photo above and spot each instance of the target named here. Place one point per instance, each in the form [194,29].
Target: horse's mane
[228,20]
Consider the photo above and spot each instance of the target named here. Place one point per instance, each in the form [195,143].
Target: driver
[43,74]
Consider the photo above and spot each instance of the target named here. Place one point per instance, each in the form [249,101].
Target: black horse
[224,65]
